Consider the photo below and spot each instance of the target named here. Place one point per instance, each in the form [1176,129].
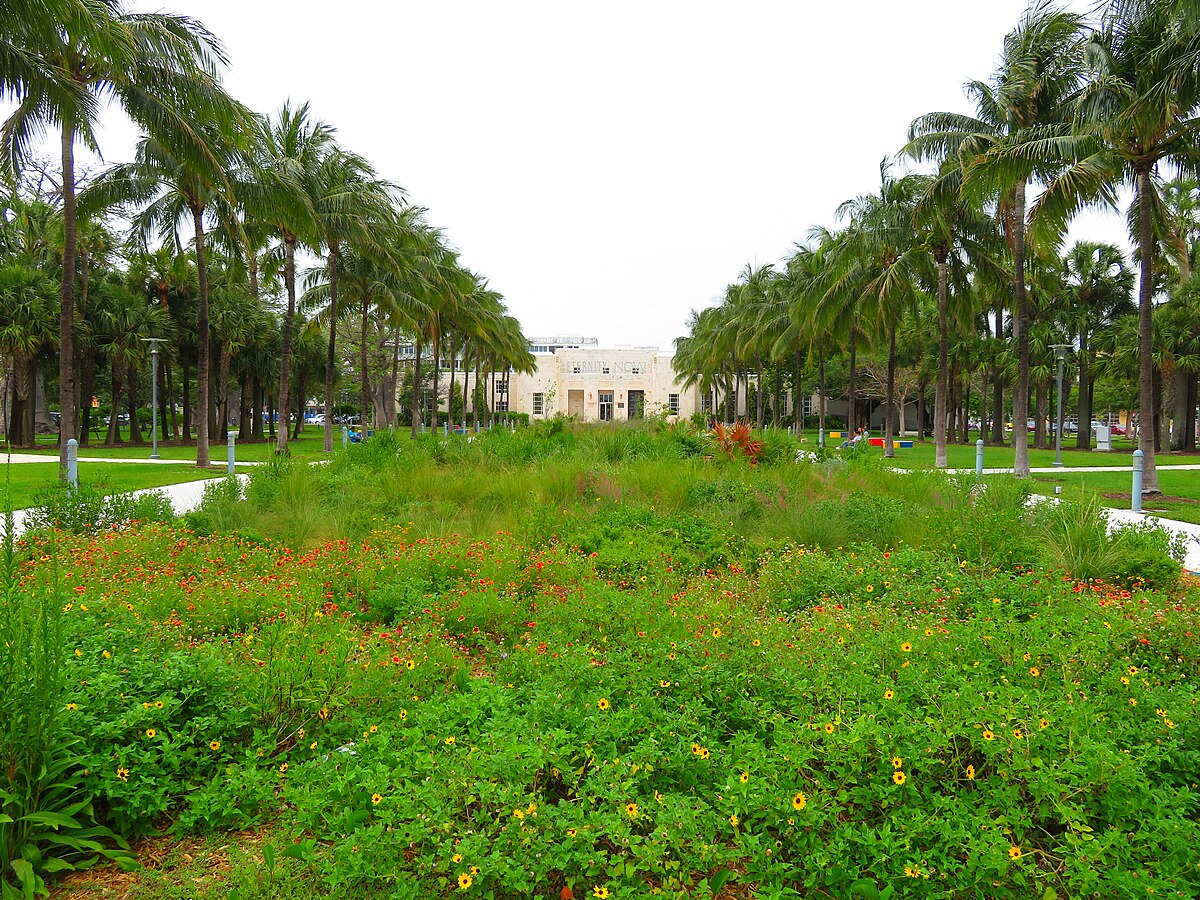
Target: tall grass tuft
[1077,538]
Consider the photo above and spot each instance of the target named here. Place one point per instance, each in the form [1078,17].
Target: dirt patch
[1160,498]
[201,864]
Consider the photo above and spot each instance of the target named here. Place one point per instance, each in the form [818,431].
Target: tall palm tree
[1099,286]
[1039,71]
[352,205]
[172,190]
[160,68]
[274,189]
[884,264]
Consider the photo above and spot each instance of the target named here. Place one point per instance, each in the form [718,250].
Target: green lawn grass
[310,445]
[24,482]
[1183,485]
[962,456]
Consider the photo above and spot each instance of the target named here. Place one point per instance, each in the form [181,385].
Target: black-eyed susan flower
[410,664]
[1018,733]
[889,694]
[1014,852]
[572,832]
[898,777]
[1035,671]
[799,801]
[71,707]
[451,739]
[600,893]
[603,703]
[733,820]
[456,858]
[122,773]
[829,728]
[631,810]
[214,745]
[744,777]
[897,762]
[970,773]
[150,732]
[906,647]
[376,799]
[518,814]
[717,632]
[283,767]
[1043,723]
[664,683]
[987,734]
[756,643]
[464,881]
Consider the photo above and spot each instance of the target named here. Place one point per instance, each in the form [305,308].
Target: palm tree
[1137,111]
[884,264]
[274,189]
[172,190]
[352,205]
[1038,73]
[1099,287]
[161,69]
[26,326]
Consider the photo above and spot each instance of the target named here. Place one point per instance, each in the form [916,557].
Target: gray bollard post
[821,439]
[1135,496]
[979,457]
[73,463]
[446,428]
[346,436]
[229,455]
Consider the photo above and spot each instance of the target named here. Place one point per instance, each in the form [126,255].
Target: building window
[706,403]
[636,370]
[574,370]
[605,370]
[673,404]
[501,406]
[808,405]
[539,404]
[606,406]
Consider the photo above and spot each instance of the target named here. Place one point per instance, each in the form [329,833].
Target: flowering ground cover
[625,696]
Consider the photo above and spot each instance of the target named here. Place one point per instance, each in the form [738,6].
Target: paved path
[184,498]
[40,458]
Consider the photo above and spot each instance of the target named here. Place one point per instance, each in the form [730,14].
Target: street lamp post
[154,342]
[1060,353]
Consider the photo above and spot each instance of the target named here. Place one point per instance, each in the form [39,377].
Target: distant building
[575,376]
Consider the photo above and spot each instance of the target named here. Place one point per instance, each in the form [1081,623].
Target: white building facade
[600,385]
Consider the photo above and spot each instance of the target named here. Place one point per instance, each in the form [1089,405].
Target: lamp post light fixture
[1060,353]
[154,342]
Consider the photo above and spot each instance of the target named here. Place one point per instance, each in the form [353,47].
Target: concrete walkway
[39,458]
[1050,470]
[184,497]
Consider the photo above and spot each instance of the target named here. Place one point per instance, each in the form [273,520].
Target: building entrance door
[575,403]
[606,406]
[637,404]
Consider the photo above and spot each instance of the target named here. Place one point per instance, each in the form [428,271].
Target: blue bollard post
[229,455]
[73,463]
[979,457]
[346,436]
[1135,496]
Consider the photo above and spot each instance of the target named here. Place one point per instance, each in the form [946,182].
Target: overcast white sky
[610,167]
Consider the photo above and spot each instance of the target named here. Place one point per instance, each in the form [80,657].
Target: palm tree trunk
[223,393]
[331,264]
[66,313]
[889,413]
[964,421]
[450,394]
[436,375]
[775,403]
[135,427]
[1146,408]
[851,397]
[1083,437]
[285,355]
[1021,389]
[202,348]
[820,391]
[474,404]
[365,398]
[416,413]
[758,393]
[939,397]
[395,375]
[998,386]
